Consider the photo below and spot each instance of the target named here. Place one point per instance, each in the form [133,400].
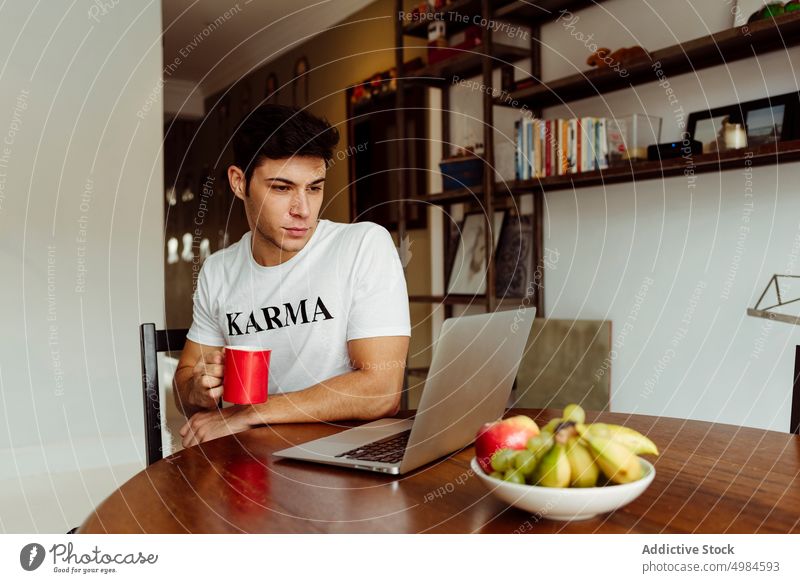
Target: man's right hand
[207,378]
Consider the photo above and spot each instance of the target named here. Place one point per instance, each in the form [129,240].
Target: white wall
[689,350]
[80,229]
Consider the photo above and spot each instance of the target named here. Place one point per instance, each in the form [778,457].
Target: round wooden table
[711,478]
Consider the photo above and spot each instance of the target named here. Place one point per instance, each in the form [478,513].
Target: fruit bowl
[566,503]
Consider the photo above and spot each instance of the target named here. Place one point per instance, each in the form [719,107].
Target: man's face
[283,204]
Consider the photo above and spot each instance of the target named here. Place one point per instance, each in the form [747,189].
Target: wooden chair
[152,342]
[794,419]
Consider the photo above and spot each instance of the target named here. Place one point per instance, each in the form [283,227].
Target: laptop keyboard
[388,450]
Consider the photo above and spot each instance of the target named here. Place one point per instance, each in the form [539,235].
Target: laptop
[473,368]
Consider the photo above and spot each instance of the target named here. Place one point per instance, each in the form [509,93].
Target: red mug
[246,377]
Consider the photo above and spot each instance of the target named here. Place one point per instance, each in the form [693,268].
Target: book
[602,138]
[572,166]
[548,151]
[528,148]
[554,147]
[587,145]
[518,149]
[541,125]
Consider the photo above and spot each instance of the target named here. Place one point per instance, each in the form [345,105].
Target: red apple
[511,433]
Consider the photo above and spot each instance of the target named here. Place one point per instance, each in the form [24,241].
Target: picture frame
[767,120]
[772,119]
[271,88]
[300,82]
[468,272]
[514,256]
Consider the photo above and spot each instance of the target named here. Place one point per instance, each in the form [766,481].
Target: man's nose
[299,206]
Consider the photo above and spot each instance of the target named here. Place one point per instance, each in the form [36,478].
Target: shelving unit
[727,46]
[722,47]
[458,15]
[702,163]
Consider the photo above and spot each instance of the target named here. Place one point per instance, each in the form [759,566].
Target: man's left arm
[370,391]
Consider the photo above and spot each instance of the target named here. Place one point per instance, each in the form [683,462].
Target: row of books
[552,147]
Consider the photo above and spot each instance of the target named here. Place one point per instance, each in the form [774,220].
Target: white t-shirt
[346,283]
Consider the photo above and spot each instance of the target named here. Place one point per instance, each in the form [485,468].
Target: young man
[328,299]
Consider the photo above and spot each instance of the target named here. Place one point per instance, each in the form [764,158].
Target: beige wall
[81,233]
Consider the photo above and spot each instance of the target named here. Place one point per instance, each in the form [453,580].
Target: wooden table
[710,478]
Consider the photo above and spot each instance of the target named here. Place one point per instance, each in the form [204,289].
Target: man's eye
[280,188]
[315,188]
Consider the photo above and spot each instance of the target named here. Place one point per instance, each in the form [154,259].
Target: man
[328,299]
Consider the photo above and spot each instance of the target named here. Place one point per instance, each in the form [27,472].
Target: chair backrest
[794,415]
[152,342]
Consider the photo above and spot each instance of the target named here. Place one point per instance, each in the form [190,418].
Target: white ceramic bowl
[566,503]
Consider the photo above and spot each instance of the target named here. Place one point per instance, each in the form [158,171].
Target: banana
[618,463]
[551,426]
[632,439]
[584,471]
[554,469]
[573,412]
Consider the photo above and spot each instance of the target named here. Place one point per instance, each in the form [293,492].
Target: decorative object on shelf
[747,11]
[767,120]
[670,150]
[188,253]
[466,40]
[775,296]
[461,172]
[513,260]
[205,249]
[171,196]
[271,95]
[300,82]
[603,58]
[172,251]
[468,274]
[437,34]
[629,136]
[771,10]
[379,84]
[734,135]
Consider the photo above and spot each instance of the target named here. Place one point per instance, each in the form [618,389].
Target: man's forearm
[182,383]
[354,395]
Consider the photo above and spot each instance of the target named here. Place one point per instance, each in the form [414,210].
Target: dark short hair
[279,131]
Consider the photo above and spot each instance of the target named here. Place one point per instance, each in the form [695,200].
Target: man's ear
[237,181]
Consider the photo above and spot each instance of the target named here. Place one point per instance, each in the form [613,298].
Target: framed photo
[271,95]
[710,131]
[300,82]
[468,273]
[514,257]
[767,120]
[772,119]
